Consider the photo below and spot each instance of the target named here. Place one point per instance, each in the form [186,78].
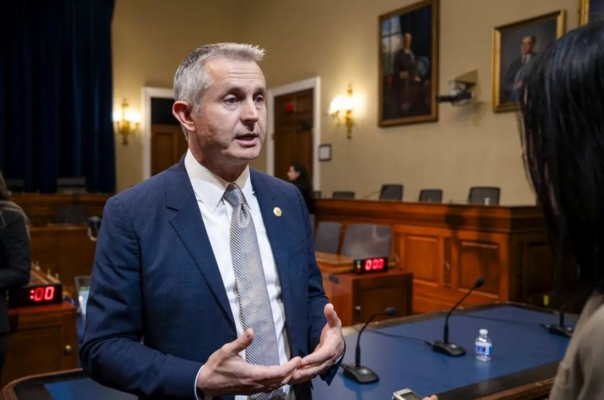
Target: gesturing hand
[327,352]
[226,372]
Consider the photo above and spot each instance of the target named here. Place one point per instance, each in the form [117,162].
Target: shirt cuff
[198,394]
[339,358]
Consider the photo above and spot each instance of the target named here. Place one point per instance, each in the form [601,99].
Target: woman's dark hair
[4,194]
[301,169]
[562,132]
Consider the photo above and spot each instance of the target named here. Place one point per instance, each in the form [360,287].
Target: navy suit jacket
[155,278]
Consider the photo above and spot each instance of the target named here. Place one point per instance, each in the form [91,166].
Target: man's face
[527,45]
[231,125]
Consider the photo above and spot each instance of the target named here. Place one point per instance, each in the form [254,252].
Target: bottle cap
[483,332]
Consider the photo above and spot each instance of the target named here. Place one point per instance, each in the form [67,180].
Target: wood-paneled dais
[448,246]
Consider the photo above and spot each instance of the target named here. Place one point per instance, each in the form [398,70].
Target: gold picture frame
[584,12]
[531,36]
[588,9]
[408,64]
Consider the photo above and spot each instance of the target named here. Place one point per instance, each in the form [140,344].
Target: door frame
[147,94]
[311,83]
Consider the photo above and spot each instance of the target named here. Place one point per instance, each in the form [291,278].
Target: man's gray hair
[191,80]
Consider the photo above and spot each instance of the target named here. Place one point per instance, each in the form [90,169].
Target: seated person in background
[563,144]
[15,261]
[298,175]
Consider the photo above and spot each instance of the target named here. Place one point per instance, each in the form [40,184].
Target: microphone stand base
[361,374]
[447,348]
[560,330]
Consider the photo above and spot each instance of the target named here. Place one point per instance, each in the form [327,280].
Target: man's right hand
[226,372]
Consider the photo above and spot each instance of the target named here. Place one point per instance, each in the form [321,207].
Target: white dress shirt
[216,213]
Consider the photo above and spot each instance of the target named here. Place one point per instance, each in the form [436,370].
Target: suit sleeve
[316,294]
[14,271]
[112,353]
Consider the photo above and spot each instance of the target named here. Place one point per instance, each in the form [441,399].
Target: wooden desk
[334,263]
[357,297]
[447,247]
[63,249]
[41,208]
[41,339]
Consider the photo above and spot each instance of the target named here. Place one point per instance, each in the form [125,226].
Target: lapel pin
[277,211]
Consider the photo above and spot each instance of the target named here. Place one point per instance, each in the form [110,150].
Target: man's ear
[182,112]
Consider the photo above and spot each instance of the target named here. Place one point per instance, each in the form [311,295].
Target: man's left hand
[326,354]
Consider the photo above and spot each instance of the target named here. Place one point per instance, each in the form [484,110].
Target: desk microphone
[94,223]
[560,329]
[444,346]
[356,371]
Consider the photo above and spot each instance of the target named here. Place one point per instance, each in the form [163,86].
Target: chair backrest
[73,214]
[342,194]
[316,194]
[431,195]
[15,185]
[327,239]
[366,241]
[391,191]
[70,185]
[485,195]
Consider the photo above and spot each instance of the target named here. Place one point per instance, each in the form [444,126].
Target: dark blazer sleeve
[15,263]
[111,352]
[316,294]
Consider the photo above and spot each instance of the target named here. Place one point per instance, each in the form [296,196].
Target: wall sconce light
[126,122]
[341,110]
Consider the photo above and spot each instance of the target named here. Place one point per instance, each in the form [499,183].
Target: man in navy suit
[165,312]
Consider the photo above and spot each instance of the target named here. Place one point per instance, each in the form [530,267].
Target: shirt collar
[209,187]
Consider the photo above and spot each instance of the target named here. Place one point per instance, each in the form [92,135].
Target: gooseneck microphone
[356,371]
[444,346]
[560,329]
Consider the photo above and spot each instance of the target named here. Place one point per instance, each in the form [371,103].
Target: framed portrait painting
[591,10]
[514,46]
[408,64]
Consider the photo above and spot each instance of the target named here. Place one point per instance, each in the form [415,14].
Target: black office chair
[484,195]
[366,241]
[342,194]
[431,196]
[73,214]
[15,185]
[327,239]
[316,194]
[392,191]
[71,185]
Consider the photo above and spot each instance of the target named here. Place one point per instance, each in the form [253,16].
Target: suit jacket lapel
[269,200]
[188,223]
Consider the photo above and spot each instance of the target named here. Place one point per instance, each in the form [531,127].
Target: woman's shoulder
[10,213]
[593,326]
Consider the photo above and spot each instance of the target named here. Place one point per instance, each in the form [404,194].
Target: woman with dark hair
[298,175]
[14,257]
[562,104]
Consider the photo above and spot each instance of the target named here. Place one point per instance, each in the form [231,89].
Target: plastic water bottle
[483,347]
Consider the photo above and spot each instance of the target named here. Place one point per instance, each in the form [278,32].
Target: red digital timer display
[33,295]
[41,294]
[369,265]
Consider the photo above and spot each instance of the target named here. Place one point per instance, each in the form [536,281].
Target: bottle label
[483,349]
